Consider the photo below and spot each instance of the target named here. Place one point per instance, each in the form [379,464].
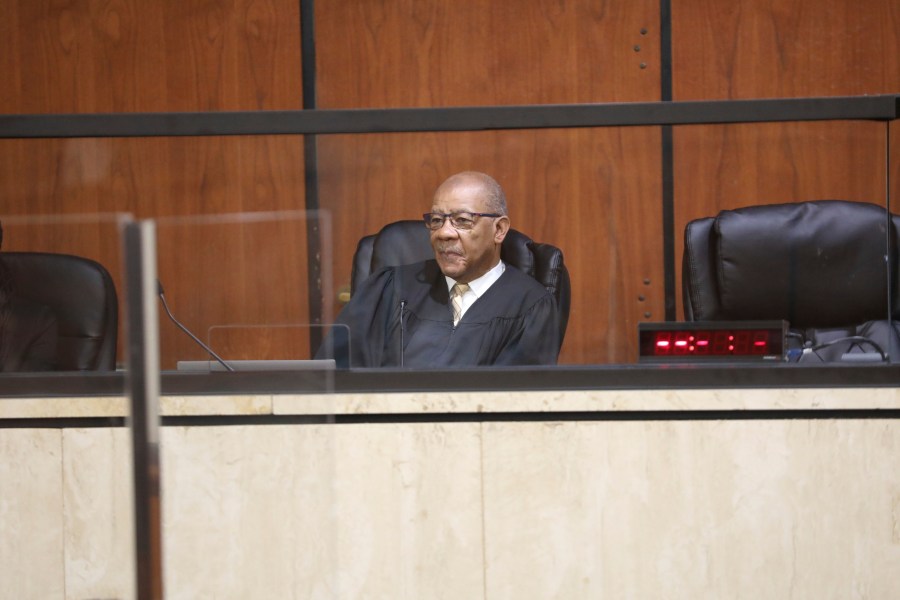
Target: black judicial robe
[515,322]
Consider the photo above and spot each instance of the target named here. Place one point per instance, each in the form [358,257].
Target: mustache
[448,248]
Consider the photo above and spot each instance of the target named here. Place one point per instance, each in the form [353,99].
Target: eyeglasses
[461,221]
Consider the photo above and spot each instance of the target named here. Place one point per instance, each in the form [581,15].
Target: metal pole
[143,387]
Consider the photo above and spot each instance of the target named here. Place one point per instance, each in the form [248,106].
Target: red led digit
[720,343]
[760,342]
[663,343]
[681,343]
[701,344]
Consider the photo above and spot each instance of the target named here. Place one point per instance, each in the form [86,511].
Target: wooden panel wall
[170,55]
[596,193]
[784,48]
[167,55]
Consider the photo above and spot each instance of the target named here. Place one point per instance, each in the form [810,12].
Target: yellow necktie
[458,290]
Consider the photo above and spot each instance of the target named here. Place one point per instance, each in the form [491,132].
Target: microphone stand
[402,307]
[893,349]
[165,304]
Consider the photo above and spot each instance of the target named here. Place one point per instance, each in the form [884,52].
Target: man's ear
[501,226]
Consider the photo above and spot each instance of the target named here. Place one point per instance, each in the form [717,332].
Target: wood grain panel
[240,55]
[169,55]
[214,273]
[485,52]
[722,167]
[784,48]
[586,191]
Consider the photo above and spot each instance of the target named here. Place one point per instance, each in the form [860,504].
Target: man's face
[466,255]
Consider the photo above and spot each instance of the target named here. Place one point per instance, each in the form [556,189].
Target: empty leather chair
[81,294]
[407,242]
[819,265]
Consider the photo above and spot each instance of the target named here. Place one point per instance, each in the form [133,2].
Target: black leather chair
[406,242]
[820,265]
[83,297]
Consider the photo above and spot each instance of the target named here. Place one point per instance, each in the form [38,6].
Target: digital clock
[712,341]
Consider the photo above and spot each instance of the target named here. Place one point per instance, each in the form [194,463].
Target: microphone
[162,296]
[893,345]
[402,308]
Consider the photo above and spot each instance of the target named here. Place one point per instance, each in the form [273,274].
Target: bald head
[481,184]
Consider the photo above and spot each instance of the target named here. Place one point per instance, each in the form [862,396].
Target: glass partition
[243,290]
[603,197]
[592,193]
[257,234]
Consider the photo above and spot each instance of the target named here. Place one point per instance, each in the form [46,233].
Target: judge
[463,308]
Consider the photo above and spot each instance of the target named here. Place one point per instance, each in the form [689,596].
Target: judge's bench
[640,481]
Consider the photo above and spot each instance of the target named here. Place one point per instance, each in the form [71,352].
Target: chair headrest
[817,263]
[82,296]
[518,250]
[401,243]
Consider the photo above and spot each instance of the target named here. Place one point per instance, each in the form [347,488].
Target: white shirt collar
[480,286]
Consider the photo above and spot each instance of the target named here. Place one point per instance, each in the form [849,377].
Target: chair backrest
[814,264]
[81,294]
[406,242]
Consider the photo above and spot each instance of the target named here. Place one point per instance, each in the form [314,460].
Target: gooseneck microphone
[162,296]
[402,308]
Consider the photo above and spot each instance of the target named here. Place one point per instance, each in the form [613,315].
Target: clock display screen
[686,341]
[717,343]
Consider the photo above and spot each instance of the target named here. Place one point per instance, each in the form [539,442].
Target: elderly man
[465,307]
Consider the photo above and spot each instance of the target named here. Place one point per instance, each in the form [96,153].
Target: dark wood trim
[492,379]
[315,293]
[668,162]
[301,122]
